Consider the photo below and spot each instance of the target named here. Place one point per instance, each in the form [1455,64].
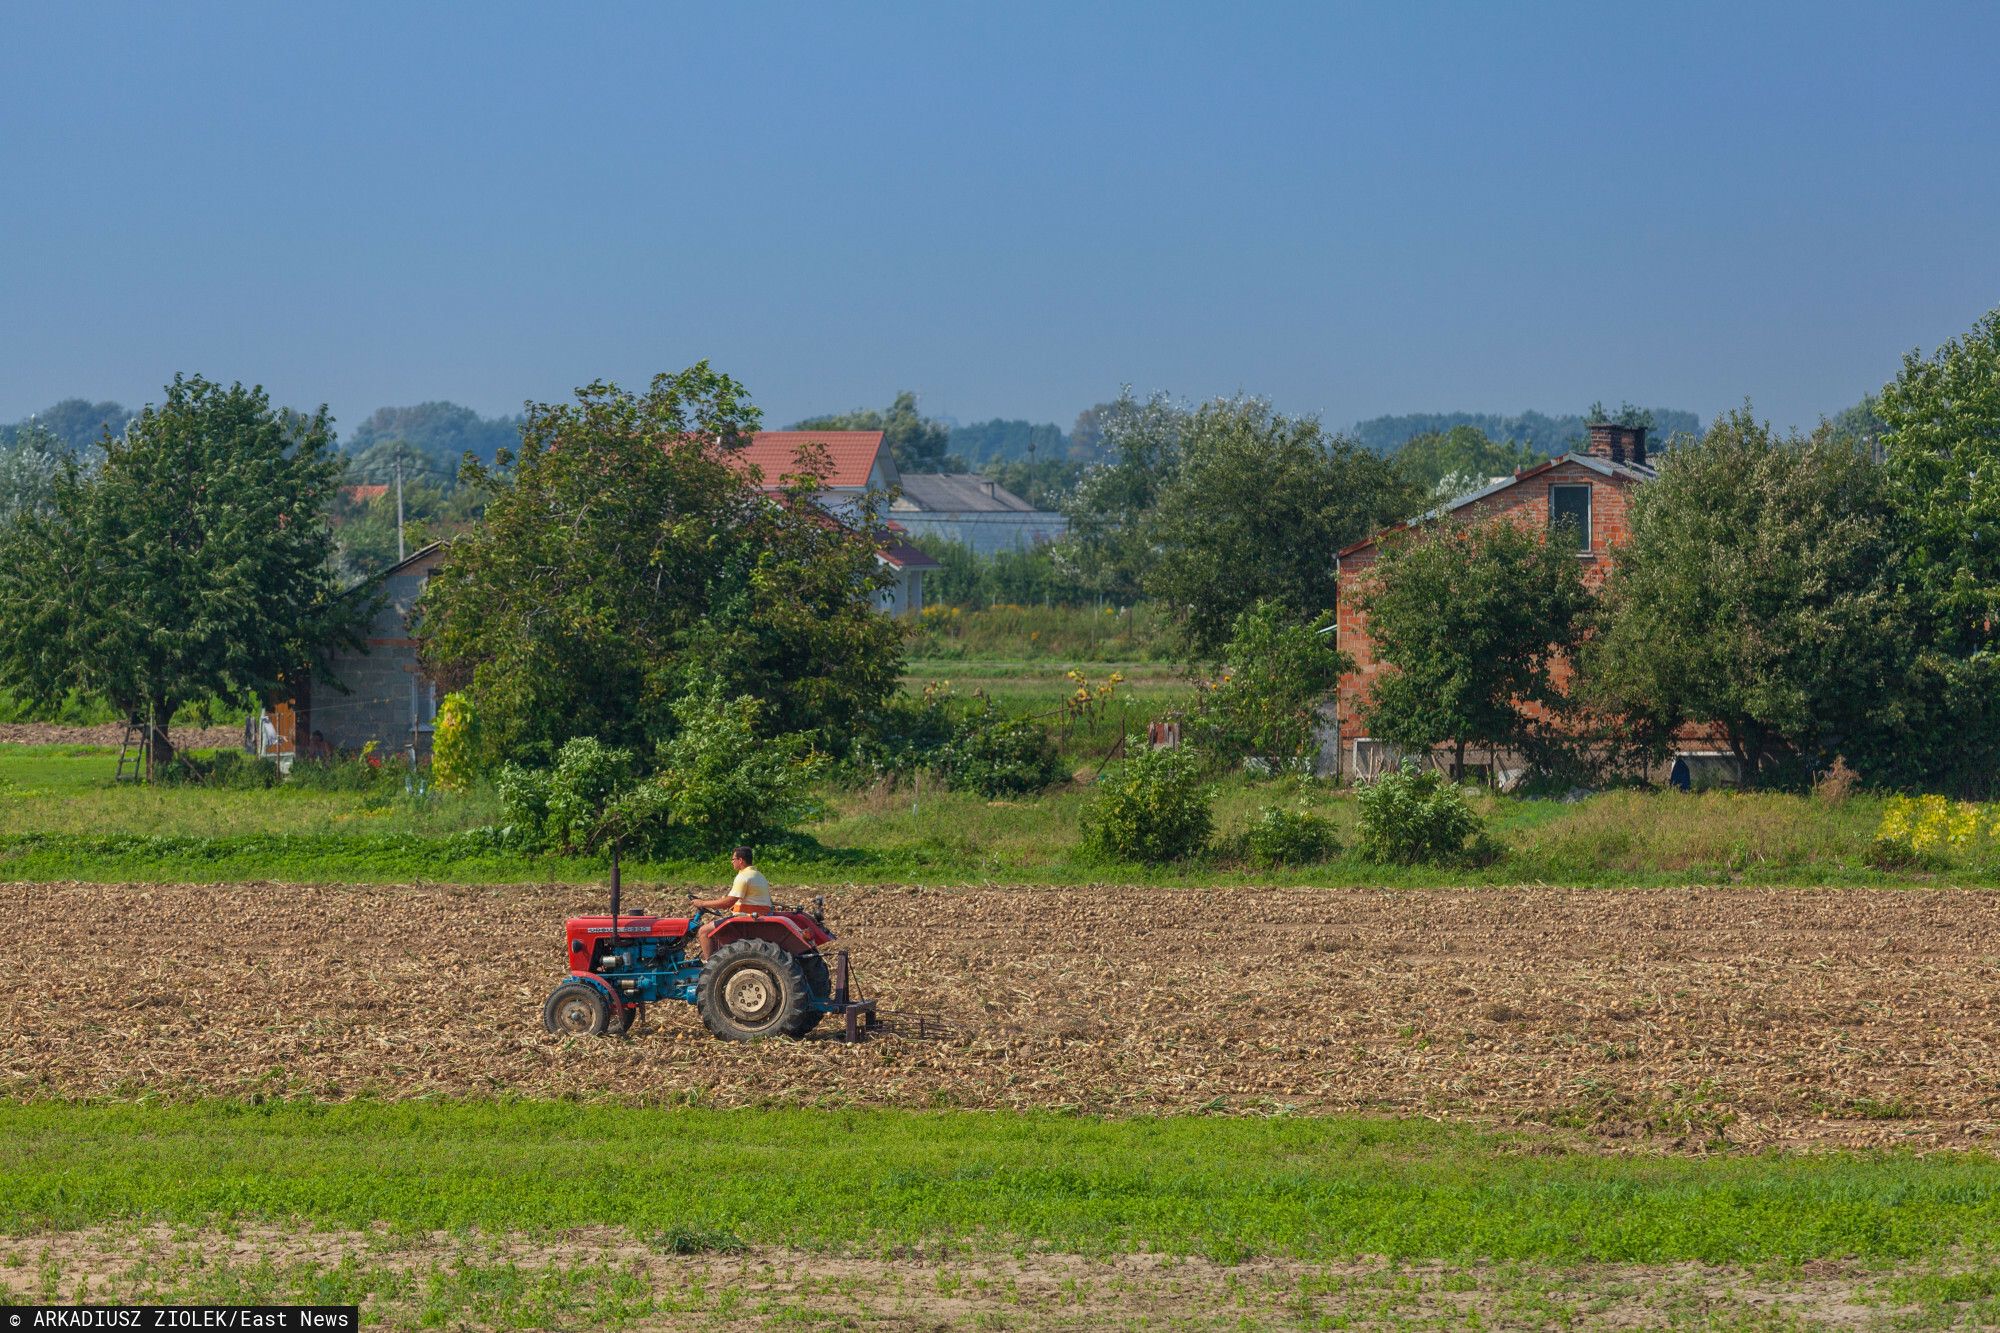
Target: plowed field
[113,734]
[1676,1018]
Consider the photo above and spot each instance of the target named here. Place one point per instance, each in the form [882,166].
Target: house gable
[1602,487]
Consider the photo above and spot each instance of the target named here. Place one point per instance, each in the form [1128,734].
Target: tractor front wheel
[576,1009]
[752,989]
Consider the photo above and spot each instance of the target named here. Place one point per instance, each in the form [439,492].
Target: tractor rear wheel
[576,1009]
[752,989]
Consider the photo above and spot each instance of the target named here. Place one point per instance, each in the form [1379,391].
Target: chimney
[1620,444]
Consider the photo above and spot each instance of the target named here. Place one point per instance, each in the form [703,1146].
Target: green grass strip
[1226,1188]
[350,857]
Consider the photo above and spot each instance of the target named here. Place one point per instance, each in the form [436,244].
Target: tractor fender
[616,1002]
[777,929]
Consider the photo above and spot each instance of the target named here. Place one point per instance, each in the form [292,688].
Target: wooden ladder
[136,752]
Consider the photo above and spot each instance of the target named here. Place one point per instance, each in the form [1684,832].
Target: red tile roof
[851,454]
[366,491]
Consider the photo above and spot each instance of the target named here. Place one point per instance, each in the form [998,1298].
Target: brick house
[1584,494]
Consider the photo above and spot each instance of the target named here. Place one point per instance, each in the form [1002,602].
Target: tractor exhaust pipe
[616,890]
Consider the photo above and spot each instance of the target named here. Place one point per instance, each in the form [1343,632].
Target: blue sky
[1012,209]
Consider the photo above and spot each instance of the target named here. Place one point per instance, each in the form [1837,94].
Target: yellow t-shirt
[751,890]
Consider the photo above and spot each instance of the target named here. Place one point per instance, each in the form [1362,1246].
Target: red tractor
[765,974]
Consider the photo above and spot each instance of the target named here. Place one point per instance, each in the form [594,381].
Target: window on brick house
[1569,515]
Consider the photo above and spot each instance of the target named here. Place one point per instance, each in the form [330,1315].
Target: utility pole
[400,553]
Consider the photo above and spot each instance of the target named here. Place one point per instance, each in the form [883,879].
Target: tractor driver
[749,894]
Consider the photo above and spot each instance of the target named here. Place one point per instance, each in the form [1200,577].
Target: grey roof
[957,493]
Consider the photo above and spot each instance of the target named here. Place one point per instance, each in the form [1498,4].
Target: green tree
[30,462]
[1045,484]
[1004,441]
[1025,577]
[1860,424]
[193,563]
[378,462]
[1938,427]
[625,556]
[1472,621]
[1626,415]
[1279,669]
[917,443]
[720,781]
[1455,462]
[1086,437]
[77,423]
[1941,426]
[434,505]
[366,529]
[1543,434]
[1108,548]
[1762,592]
[441,432]
[1254,510]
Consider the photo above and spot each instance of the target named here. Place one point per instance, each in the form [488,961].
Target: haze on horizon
[1349,210]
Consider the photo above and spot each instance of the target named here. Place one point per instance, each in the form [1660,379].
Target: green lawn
[1226,1188]
[1039,689]
[62,817]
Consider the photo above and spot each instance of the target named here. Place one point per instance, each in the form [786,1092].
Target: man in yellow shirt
[749,894]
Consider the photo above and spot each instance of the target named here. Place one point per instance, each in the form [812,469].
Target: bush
[716,783]
[1296,837]
[720,783]
[563,807]
[906,733]
[1153,809]
[1836,784]
[999,756]
[455,743]
[1412,817]
[226,768]
[1931,832]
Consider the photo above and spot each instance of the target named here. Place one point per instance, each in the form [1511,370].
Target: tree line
[1834,594]
[1538,433]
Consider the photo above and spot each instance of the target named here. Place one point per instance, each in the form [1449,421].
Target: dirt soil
[577,1279]
[113,734]
[1678,1018]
